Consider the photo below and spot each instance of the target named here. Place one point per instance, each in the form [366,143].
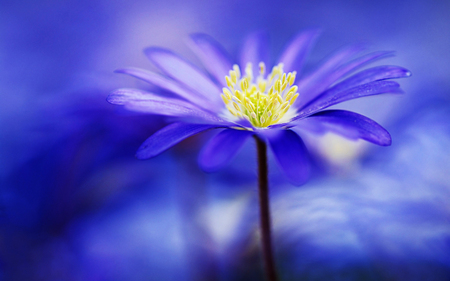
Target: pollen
[262,99]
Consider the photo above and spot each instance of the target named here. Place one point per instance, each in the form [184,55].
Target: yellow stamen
[227,93]
[261,100]
[262,86]
[278,85]
[249,70]
[233,76]
[229,82]
[236,99]
[237,71]
[262,68]
[224,99]
[293,99]
[244,85]
[236,106]
[279,98]
[292,78]
[238,94]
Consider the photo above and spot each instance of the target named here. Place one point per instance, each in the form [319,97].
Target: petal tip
[206,168]
[387,141]
[141,155]
[150,51]
[115,97]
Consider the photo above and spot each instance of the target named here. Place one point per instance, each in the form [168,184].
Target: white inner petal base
[263,101]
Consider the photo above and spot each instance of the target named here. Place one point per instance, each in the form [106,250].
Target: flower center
[262,100]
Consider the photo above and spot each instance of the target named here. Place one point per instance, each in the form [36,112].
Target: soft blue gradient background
[76,205]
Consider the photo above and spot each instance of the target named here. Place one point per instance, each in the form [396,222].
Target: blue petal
[187,74]
[291,155]
[350,125]
[293,57]
[255,50]
[369,89]
[311,81]
[369,75]
[145,102]
[338,73]
[126,95]
[222,148]
[168,137]
[166,84]
[172,109]
[213,56]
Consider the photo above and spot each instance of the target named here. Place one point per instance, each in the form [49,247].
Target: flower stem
[264,209]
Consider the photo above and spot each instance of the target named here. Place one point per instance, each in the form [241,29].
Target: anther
[238,94]
[292,78]
[244,84]
[293,99]
[237,71]
[289,95]
[277,85]
[233,76]
[227,93]
[224,99]
[293,89]
[262,68]
[229,82]
[279,98]
[236,99]
[236,106]
[249,70]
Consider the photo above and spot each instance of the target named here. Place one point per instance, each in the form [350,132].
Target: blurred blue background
[76,205]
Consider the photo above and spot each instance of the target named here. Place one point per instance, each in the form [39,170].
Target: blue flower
[275,106]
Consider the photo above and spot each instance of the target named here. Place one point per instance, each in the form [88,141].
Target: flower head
[243,99]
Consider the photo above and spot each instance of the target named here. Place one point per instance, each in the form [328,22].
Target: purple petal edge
[165,83]
[330,65]
[145,102]
[376,73]
[350,125]
[295,53]
[168,137]
[222,148]
[339,73]
[369,89]
[184,72]
[213,56]
[126,95]
[291,155]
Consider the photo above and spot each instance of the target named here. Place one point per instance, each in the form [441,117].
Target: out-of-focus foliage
[76,205]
